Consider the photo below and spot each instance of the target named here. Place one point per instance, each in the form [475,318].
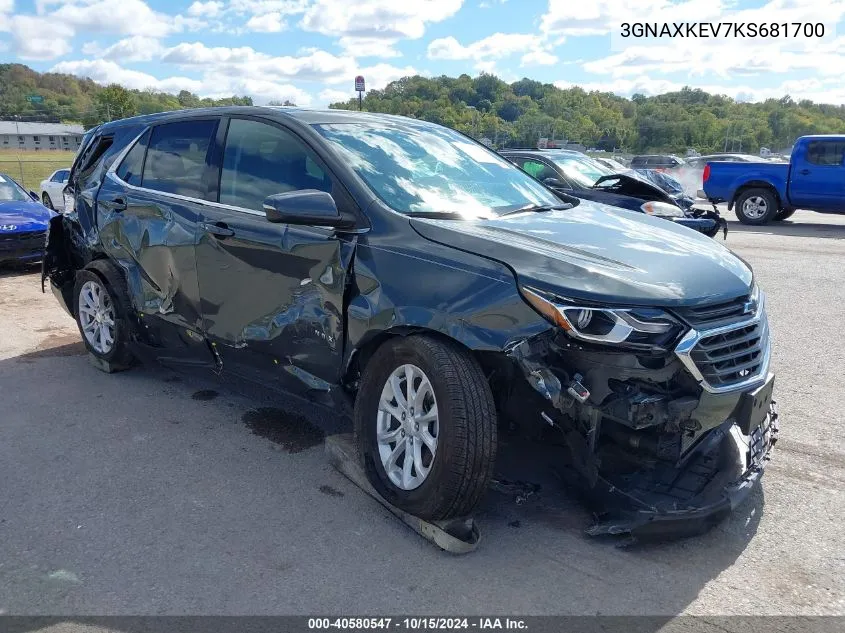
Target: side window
[59,176]
[260,160]
[133,163]
[537,169]
[177,158]
[826,152]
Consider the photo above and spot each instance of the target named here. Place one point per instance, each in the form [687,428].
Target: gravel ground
[152,492]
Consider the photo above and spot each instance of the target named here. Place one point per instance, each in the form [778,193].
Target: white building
[19,135]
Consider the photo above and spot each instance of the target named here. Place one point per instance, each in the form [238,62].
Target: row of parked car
[401,271]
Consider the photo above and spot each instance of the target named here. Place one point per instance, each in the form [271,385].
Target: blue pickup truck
[762,192]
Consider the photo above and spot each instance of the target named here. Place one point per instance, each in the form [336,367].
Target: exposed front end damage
[656,453]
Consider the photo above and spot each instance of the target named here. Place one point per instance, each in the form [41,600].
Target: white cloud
[108,72]
[36,38]
[211,85]
[225,71]
[330,95]
[258,7]
[247,62]
[497,46]
[48,35]
[387,19]
[209,9]
[538,58]
[137,48]
[379,75]
[371,28]
[266,23]
[597,17]
[818,90]
[368,46]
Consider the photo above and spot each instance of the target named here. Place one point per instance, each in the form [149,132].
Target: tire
[114,303]
[461,466]
[783,215]
[756,206]
[45,199]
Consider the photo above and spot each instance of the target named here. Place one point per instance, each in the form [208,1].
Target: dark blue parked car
[23,223]
[578,175]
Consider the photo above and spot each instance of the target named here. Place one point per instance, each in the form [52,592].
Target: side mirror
[309,207]
[553,182]
[34,196]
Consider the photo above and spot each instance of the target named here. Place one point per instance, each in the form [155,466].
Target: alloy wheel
[96,316]
[407,427]
[755,207]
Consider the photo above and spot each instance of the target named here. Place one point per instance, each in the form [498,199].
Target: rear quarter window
[177,158]
[826,153]
[132,165]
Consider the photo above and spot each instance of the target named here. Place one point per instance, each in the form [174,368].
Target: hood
[633,184]
[606,255]
[25,215]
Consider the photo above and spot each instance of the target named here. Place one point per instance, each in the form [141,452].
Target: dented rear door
[149,208]
[272,294]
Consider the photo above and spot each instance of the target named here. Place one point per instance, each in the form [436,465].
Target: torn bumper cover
[652,453]
[693,513]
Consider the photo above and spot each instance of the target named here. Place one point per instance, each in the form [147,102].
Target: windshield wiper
[539,208]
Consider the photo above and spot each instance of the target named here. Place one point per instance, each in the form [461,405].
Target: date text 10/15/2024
[416,623]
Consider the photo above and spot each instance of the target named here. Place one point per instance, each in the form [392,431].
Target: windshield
[425,168]
[582,169]
[10,190]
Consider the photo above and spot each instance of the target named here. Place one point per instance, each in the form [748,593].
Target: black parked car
[576,174]
[401,268]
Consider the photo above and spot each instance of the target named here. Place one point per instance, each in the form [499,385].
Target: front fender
[467,298]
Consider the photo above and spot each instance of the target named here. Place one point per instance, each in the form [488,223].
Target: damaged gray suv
[402,270]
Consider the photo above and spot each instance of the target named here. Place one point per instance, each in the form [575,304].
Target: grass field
[30,168]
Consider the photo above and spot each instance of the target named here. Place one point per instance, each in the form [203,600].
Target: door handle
[118,204]
[804,172]
[218,229]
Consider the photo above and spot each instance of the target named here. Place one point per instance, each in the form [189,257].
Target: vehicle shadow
[534,537]
[534,556]
[18,270]
[792,229]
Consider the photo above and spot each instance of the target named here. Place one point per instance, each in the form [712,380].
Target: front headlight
[662,210]
[649,329]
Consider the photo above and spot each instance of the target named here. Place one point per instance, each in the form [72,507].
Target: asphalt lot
[153,492]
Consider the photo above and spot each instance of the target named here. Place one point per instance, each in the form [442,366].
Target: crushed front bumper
[701,511]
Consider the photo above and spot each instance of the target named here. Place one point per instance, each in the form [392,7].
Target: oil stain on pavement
[292,432]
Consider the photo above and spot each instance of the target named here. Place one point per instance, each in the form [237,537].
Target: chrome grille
[729,357]
[715,314]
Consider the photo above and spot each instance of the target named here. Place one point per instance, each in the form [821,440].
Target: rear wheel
[756,206]
[425,423]
[45,198]
[783,215]
[102,308]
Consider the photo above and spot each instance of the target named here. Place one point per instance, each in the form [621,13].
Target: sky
[309,51]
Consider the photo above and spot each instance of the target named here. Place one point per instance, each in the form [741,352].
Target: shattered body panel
[653,437]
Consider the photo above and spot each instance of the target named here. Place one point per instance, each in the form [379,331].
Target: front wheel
[425,423]
[45,198]
[756,206]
